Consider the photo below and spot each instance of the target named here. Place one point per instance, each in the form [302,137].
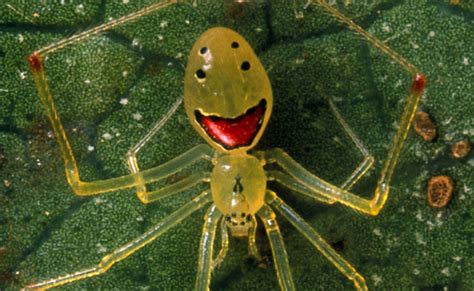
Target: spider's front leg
[72,172]
[340,194]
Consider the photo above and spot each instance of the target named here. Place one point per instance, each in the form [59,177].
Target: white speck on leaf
[99,200]
[107,136]
[137,116]
[377,232]
[465,61]
[445,271]
[377,279]
[419,239]
[101,248]
[124,101]
[80,9]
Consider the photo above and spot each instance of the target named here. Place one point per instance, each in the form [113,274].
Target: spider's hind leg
[317,241]
[129,248]
[280,257]
[253,250]
[224,246]
[206,250]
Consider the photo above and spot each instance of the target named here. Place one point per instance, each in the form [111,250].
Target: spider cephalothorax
[238,185]
[227,93]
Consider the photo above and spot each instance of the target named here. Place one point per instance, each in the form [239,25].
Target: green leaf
[111,88]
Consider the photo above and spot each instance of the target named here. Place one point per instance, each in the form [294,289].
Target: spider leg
[126,250]
[224,246]
[106,26]
[368,159]
[323,188]
[280,257]
[82,188]
[91,188]
[316,240]
[295,185]
[253,250]
[72,173]
[131,157]
[205,262]
[177,187]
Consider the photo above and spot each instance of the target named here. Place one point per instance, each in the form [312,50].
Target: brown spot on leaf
[440,191]
[460,149]
[424,126]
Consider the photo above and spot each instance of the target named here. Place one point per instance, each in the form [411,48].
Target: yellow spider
[228,100]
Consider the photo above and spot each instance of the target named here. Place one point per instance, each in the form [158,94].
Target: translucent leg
[131,157]
[342,265]
[91,188]
[367,161]
[177,187]
[206,250]
[224,246]
[367,36]
[131,247]
[330,191]
[72,172]
[295,185]
[253,250]
[106,26]
[280,257]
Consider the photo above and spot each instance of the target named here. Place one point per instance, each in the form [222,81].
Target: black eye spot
[234,44]
[200,74]
[245,66]
[249,217]
[203,50]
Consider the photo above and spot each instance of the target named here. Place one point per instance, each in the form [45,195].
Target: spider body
[228,100]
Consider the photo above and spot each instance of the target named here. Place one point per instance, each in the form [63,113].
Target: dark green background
[46,231]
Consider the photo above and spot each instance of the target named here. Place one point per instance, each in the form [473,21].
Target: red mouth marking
[233,132]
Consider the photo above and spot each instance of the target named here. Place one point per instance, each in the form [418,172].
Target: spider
[228,100]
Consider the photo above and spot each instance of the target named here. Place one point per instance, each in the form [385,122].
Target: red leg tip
[35,61]
[419,84]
